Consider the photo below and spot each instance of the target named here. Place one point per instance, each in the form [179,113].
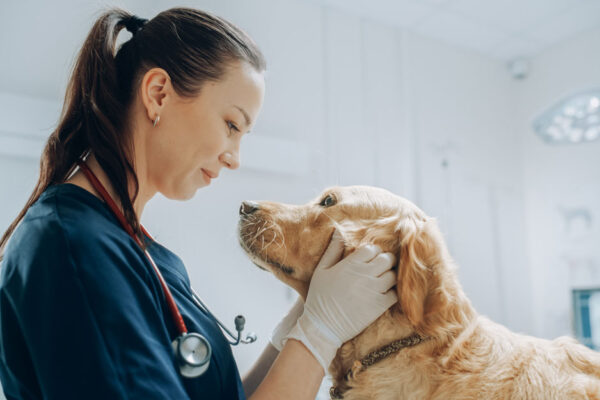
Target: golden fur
[468,357]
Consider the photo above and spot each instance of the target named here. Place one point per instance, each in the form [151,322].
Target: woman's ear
[154,90]
[419,254]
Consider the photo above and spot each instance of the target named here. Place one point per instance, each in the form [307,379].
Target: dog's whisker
[259,231]
[277,234]
[271,242]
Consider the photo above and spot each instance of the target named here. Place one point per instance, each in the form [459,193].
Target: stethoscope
[191,350]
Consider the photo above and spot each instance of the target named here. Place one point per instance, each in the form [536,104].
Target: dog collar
[376,356]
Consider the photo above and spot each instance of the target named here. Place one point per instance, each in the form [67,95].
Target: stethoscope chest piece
[192,352]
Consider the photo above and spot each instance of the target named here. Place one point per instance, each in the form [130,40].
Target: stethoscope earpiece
[239,322]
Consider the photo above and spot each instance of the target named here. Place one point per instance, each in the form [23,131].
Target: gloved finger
[365,253]
[390,298]
[333,252]
[381,263]
[386,281]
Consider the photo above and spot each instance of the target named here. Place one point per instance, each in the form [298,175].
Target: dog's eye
[328,201]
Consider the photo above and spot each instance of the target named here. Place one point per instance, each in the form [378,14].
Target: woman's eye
[328,201]
[231,126]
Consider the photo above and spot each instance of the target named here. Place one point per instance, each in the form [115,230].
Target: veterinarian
[91,307]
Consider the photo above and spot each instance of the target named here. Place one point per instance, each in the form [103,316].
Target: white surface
[559,177]
[502,29]
[26,122]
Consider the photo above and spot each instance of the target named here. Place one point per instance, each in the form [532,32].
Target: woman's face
[195,138]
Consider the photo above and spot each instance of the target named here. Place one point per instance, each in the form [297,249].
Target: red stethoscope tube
[177,318]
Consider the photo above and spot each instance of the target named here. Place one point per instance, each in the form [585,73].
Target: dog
[432,344]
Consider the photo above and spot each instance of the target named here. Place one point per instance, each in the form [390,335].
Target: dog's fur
[467,357]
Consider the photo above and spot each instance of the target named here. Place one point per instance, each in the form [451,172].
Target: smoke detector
[518,68]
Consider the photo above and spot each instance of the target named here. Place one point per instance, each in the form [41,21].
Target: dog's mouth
[260,266]
[257,255]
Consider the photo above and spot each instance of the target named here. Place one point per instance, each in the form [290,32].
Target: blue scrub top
[83,316]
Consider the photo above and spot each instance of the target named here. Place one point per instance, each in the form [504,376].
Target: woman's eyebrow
[246,117]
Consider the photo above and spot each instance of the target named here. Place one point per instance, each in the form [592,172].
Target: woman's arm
[295,375]
[259,370]
[276,341]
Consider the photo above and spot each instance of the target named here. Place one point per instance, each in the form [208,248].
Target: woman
[83,310]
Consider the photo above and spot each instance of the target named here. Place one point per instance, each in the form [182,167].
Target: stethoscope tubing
[239,323]
[177,318]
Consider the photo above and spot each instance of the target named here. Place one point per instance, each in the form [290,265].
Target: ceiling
[502,29]
[39,40]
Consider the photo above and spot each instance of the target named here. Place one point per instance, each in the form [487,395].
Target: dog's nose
[248,207]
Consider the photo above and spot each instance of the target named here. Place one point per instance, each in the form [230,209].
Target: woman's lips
[206,176]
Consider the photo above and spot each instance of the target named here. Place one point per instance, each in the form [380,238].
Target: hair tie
[134,23]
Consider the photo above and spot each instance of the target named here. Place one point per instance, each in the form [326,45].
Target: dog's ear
[420,253]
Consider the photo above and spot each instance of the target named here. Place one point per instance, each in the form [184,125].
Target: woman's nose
[230,160]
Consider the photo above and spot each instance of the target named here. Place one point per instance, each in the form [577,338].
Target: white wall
[370,104]
[467,172]
[559,177]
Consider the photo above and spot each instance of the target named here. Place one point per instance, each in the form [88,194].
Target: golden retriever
[464,356]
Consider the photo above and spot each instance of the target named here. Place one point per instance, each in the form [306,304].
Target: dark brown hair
[192,46]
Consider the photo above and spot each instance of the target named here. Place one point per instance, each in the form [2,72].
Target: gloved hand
[278,336]
[345,298]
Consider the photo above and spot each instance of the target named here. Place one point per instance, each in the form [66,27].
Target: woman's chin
[190,193]
[183,193]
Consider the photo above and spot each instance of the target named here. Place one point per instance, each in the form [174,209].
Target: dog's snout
[248,207]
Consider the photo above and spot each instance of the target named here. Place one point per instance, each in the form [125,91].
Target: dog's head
[289,240]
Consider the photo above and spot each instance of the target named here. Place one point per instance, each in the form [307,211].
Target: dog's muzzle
[248,208]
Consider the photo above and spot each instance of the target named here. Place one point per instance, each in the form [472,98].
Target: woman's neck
[79,179]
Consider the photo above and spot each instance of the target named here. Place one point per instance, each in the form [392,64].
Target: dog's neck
[391,326]
[358,367]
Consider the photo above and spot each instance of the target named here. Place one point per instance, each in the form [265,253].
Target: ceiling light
[574,119]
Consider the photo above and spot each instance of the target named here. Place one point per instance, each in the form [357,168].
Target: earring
[156,120]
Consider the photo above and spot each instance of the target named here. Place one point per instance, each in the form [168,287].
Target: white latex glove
[345,298]
[278,336]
